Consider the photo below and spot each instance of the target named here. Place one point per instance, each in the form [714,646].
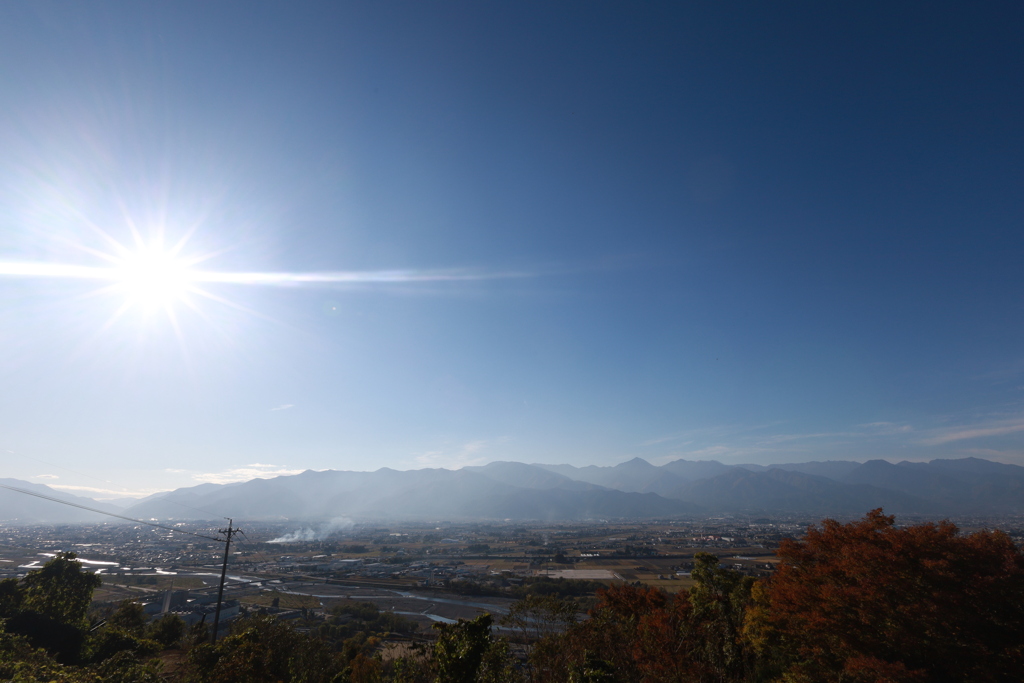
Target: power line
[254,547]
[124,490]
[160,526]
[223,577]
[61,467]
[167,499]
[109,514]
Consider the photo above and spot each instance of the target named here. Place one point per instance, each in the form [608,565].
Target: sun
[153,278]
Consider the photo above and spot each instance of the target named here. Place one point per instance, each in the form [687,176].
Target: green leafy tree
[130,617]
[466,653]
[48,606]
[262,649]
[168,630]
[719,600]
[60,590]
[498,664]
[124,667]
[108,642]
[536,616]
[592,670]
[11,597]
[20,661]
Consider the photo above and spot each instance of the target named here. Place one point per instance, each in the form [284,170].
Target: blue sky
[565,232]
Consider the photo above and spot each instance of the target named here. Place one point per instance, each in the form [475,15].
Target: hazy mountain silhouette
[636,475]
[412,494]
[832,469]
[530,476]
[513,490]
[694,470]
[968,485]
[782,490]
[18,508]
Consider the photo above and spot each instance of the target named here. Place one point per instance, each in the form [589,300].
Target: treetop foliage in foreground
[918,603]
[864,602]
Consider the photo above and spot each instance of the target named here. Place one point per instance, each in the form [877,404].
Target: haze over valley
[631,490]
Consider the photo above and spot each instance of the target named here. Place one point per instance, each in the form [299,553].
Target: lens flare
[153,278]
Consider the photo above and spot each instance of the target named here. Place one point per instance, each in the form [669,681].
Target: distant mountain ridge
[19,508]
[633,489]
[413,494]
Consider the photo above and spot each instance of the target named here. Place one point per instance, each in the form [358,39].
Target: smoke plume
[318,534]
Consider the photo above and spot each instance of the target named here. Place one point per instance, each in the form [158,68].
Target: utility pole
[223,575]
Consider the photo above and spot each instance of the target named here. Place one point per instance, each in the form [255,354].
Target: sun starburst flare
[160,274]
[152,278]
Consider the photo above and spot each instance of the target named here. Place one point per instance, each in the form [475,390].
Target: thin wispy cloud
[963,433]
[45,476]
[886,428]
[105,493]
[469,453]
[879,439]
[660,440]
[283,406]
[705,434]
[1004,372]
[761,443]
[255,471]
[785,438]
[1011,455]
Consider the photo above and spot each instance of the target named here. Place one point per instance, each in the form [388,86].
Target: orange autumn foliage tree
[633,635]
[645,635]
[865,602]
[868,601]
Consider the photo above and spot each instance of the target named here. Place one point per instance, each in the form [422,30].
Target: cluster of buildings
[190,608]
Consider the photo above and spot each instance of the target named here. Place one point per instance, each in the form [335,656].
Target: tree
[868,601]
[466,653]
[634,634]
[264,649]
[11,598]
[20,661]
[719,601]
[48,606]
[168,630]
[498,664]
[60,589]
[647,635]
[536,616]
[130,617]
[109,642]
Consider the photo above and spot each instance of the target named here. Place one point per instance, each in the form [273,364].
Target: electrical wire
[255,549]
[68,469]
[316,579]
[126,491]
[109,514]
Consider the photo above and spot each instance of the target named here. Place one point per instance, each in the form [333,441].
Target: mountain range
[520,491]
